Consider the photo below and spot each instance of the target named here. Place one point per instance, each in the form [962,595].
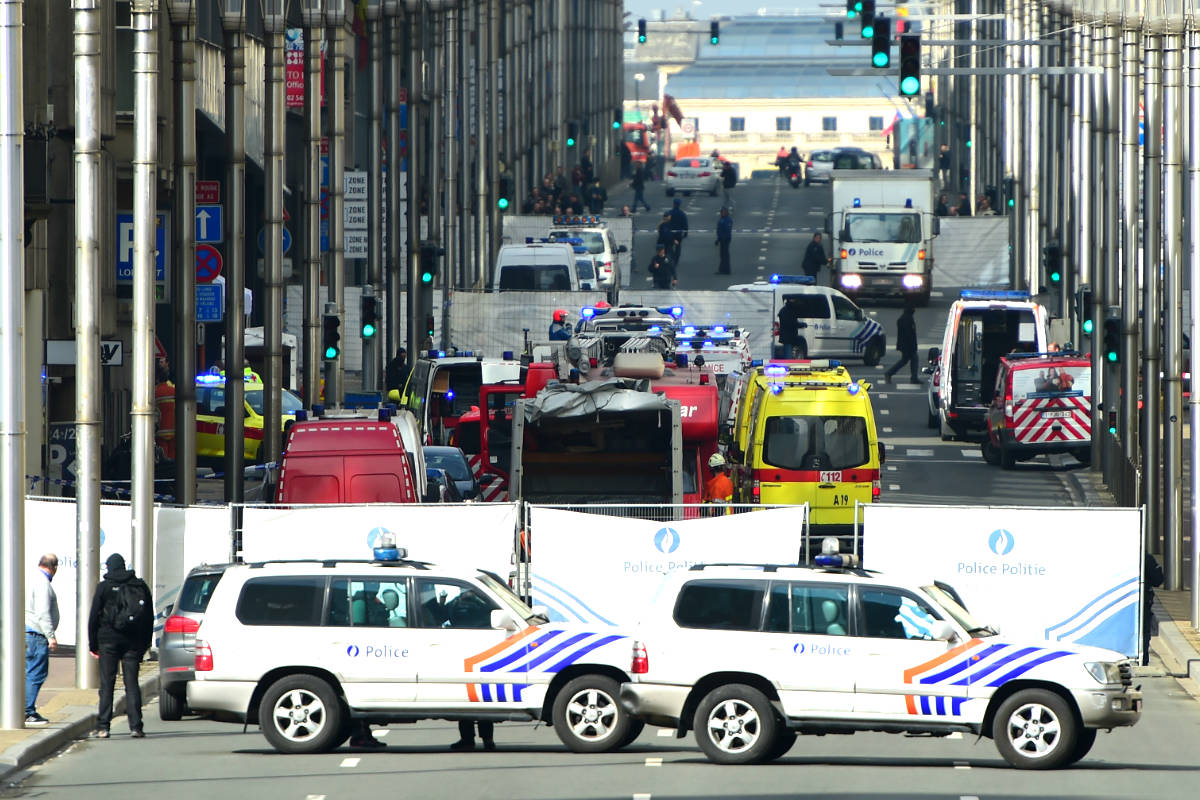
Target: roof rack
[1046,354]
[329,563]
[857,571]
[993,294]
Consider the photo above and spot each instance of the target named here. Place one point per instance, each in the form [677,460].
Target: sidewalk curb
[80,720]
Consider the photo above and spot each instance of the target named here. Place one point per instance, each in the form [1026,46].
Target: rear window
[592,240]
[822,156]
[282,600]
[693,162]
[1058,381]
[197,591]
[535,278]
[815,443]
[721,605]
[586,268]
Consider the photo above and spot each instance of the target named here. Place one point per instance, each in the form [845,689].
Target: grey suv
[177,647]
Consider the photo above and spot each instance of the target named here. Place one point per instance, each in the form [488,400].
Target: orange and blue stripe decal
[550,652]
[976,667]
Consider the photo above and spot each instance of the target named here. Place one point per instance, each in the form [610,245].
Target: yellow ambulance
[210,415]
[805,433]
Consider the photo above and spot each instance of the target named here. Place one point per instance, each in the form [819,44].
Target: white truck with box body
[882,230]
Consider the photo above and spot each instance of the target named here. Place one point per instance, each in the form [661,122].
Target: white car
[600,244]
[307,648]
[750,656]
[693,174]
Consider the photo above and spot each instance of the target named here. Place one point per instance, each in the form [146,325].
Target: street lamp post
[274,15]
[313,19]
[336,17]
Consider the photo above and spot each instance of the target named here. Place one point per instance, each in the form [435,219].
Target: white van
[536,267]
[982,327]
[599,241]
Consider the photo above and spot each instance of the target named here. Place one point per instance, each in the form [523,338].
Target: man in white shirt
[41,621]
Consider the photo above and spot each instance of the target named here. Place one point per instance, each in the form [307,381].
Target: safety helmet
[716,460]
[560,315]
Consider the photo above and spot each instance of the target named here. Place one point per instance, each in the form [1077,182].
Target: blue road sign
[125,247]
[210,225]
[324,236]
[262,241]
[324,170]
[209,305]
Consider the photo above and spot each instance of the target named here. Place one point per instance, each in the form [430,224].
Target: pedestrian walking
[666,237]
[119,629]
[944,160]
[906,343]
[639,188]
[41,622]
[466,734]
[814,257]
[395,374]
[724,239]
[728,181]
[662,270]
[789,328]
[679,226]
[597,197]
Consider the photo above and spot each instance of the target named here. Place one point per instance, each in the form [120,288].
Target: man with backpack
[119,630]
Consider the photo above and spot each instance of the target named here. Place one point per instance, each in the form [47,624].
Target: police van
[309,650]
[983,326]
[750,656]
[805,433]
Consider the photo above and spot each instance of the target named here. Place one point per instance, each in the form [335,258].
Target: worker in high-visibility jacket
[718,488]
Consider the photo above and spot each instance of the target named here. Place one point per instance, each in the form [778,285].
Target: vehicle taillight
[1008,403]
[705,174]
[670,173]
[178,624]
[775,328]
[641,659]
[876,490]
[755,493]
[204,658]
[809,164]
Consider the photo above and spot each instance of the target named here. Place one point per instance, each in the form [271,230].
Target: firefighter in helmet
[718,488]
[559,331]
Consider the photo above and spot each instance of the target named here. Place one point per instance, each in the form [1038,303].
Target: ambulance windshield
[816,442]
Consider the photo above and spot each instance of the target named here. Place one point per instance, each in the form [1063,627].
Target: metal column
[234,25]
[1131,50]
[395,186]
[12,372]
[416,165]
[1033,153]
[335,368]
[313,25]
[183,21]
[483,96]
[1151,300]
[1193,210]
[372,355]
[1172,389]
[89,421]
[145,172]
[450,153]
[274,140]
[1109,99]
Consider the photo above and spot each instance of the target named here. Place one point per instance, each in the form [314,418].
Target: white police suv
[749,656]
[309,649]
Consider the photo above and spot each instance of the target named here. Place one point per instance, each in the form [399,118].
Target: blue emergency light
[580,249]
[654,329]
[775,370]
[835,560]
[387,550]
[708,343]
[587,313]
[385,414]
[908,202]
[718,329]
[449,394]
[775,388]
[507,355]
[853,388]
[803,280]
[690,330]
[993,294]
[676,311]
[681,359]
[301,415]
[207,378]
[318,409]
[756,362]
[858,202]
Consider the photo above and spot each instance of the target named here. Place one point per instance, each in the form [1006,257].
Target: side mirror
[829,224]
[394,395]
[934,353]
[940,630]
[937,226]
[882,453]
[845,234]
[502,620]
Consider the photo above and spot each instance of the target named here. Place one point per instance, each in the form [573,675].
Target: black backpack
[129,608]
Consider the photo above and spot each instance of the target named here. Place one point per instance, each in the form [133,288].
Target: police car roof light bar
[993,294]
[803,280]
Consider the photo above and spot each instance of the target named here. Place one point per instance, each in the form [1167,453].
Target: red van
[1042,404]
[346,461]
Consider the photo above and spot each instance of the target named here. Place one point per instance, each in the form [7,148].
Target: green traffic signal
[368,330]
[502,203]
[1055,277]
[570,141]
[910,86]
[713,39]
[880,59]
[331,352]
[616,124]
[426,277]
[1112,356]
[868,32]
[1088,327]
[1012,202]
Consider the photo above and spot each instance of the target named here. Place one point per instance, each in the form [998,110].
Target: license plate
[1055,414]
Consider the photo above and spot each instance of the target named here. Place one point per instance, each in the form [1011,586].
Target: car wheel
[1083,455]
[1035,729]
[713,193]
[932,421]
[1008,459]
[802,349]
[784,740]
[873,353]
[991,453]
[587,717]
[807,182]
[670,192]
[301,714]
[636,726]
[735,724]
[1083,744]
[172,703]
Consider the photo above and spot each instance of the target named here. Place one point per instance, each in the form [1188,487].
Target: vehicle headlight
[852,281]
[1104,671]
[913,281]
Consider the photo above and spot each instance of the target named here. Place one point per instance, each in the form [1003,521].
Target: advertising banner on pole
[1063,574]
[469,536]
[578,579]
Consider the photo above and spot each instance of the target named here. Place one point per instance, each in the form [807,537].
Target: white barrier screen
[469,536]
[604,571]
[1062,574]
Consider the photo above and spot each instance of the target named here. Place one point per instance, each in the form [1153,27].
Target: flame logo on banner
[666,540]
[1001,542]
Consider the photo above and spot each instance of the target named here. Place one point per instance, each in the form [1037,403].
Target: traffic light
[330,336]
[714,32]
[839,31]
[1052,261]
[853,7]
[369,316]
[641,31]
[1010,192]
[1083,310]
[1112,335]
[910,69]
[881,43]
[572,133]
[866,16]
[505,195]
[429,326]
[429,263]
[617,119]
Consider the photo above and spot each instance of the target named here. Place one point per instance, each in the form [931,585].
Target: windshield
[534,278]
[592,240]
[883,228]
[289,403]
[815,442]
[952,607]
[454,464]
[510,599]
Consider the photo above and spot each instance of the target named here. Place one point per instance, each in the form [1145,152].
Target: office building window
[783,123]
[829,123]
[737,124]
[875,123]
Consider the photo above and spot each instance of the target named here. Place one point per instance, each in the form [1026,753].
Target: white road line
[887,430]
[350,762]
[882,395]
[653,762]
[918,453]
[972,454]
[893,487]
[379,733]
[314,797]
[961,765]
[892,467]
[969,797]
[665,732]
[762,258]
[936,293]
[884,411]
[646,796]
[955,735]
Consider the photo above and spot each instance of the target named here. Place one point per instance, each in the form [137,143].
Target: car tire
[735,724]
[670,192]
[1083,455]
[1035,729]
[636,726]
[784,739]
[1008,459]
[587,716]
[873,353]
[172,703]
[932,421]
[802,346]
[301,714]
[713,193]
[807,182]
[991,453]
[1083,744]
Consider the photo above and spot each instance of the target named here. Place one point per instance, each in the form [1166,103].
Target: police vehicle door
[811,652]
[458,645]
[369,621]
[846,319]
[816,325]
[894,676]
